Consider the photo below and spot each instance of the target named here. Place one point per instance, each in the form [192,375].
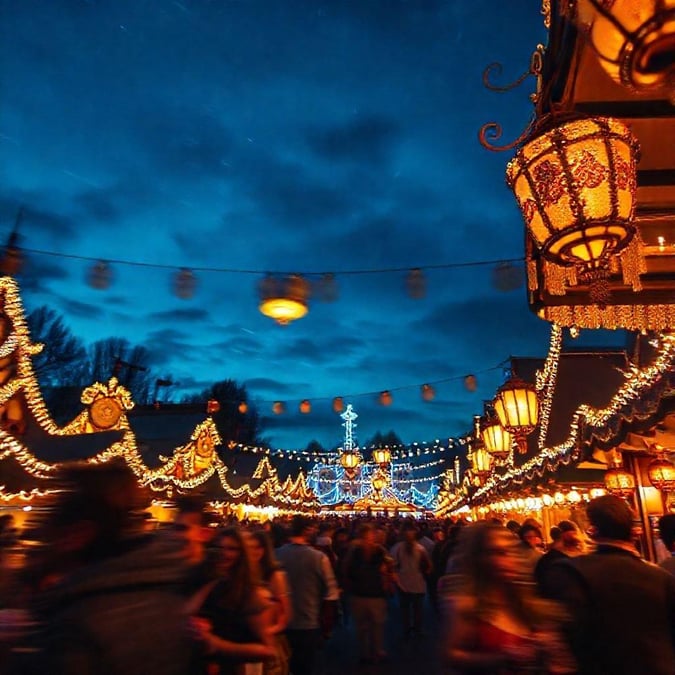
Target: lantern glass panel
[517,408]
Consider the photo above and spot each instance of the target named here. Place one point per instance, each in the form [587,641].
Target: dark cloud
[367,139]
[37,272]
[167,345]
[188,314]
[268,385]
[84,310]
[244,345]
[37,220]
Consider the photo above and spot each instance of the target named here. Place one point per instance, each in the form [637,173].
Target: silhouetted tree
[231,423]
[314,446]
[379,440]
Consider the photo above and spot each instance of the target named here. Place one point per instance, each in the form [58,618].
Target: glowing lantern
[212,406]
[278,408]
[350,460]
[428,392]
[481,462]
[416,284]
[184,284]
[381,456]
[470,383]
[517,407]
[575,184]
[100,275]
[386,398]
[378,482]
[305,407]
[619,482]
[547,500]
[573,497]
[496,439]
[243,407]
[338,404]
[661,474]
[634,40]
[284,300]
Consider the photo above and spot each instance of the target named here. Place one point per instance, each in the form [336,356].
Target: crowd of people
[103,589]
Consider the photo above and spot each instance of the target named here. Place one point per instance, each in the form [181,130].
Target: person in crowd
[622,609]
[275,589]
[412,566]
[107,593]
[341,543]
[368,574]
[531,545]
[229,613]
[566,542]
[495,624]
[192,526]
[437,566]
[667,535]
[513,526]
[313,590]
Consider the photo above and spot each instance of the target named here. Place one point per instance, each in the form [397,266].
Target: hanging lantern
[284,300]
[575,184]
[416,284]
[619,482]
[184,284]
[634,40]
[326,288]
[378,482]
[661,474]
[481,462]
[386,398]
[279,408]
[100,275]
[517,407]
[305,407]
[507,277]
[212,406]
[338,404]
[428,392]
[470,383]
[382,456]
[350,460]
[243,407]
[497,440]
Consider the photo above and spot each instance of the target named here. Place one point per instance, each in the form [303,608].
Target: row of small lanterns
[560,499]
[660,471]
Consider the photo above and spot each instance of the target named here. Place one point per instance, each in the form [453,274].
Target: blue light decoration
[332,485]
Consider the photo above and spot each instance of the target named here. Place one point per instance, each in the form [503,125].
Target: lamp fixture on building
[350,461]
[497,440]
[517,408]
[619,482]
[575,183]
[382,456]
[634,41]
[661,473]
[284,299]
[481,462]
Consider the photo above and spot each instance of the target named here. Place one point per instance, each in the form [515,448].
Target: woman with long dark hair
[495,623]
[230,617]
[274,586]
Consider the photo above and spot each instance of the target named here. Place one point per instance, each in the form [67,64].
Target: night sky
[277,135]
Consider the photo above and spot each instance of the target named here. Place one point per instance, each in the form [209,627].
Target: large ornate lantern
[350,460]
[284,300]
[634,40]
[481,462]
[379,482]
[575,183]
[497,440]
[661,474]
[517,407]
[619,482]
[382,456]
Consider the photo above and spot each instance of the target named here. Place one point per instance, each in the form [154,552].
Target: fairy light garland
[546,380]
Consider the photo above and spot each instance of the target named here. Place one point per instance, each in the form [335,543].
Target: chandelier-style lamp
[575,183]
[634,40]
[382,456]
[517,408]
[350,461]
[284,299]
[661,473]
[497,440]
[619,482]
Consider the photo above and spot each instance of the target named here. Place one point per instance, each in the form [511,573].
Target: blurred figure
[267,569]
[495,624]
[622,609]
[513,526]
[531,545]
[412,565]
[667,535]
[566,542]
[369,579]
[230,613]
[191,525]
[313,585]
[112,604]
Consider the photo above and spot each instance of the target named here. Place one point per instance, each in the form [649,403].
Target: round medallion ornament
[105,413]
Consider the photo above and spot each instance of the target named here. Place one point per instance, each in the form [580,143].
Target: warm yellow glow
[305,407]
[641,56]
[517,408]
[661,474]
[497,440]
[381,456]
[350,460]
[283,310]
[481,462]
[575,185]
[619,482]
[378,482]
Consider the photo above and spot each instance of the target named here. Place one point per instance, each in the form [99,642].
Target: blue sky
[276,135]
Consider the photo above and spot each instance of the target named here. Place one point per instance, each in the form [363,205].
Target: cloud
[37,272]
[83,310]
[188,314]
[36,222]
[264,384]
[368,139]
[167,345]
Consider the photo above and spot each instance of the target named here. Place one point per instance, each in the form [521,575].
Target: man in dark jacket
[622,608]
